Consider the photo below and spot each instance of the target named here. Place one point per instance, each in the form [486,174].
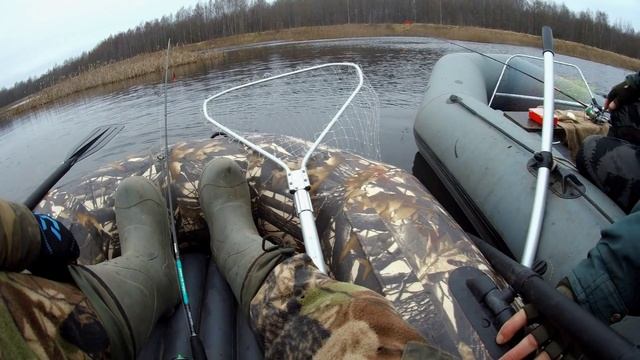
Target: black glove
[58,249]
[622,94]
[540,337]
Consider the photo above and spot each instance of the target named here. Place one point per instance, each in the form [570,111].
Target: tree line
[217,18]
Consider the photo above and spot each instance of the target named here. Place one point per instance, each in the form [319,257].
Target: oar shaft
[593,337]
[97,139]
[539,203]
[549,100]
[34,199]
[537,218]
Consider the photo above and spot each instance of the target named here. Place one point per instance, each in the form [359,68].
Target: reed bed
[212,51]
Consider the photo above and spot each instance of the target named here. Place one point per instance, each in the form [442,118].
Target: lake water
[32,145]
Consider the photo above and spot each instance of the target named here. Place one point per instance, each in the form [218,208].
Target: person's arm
[624,93]
[634,80]
[19,237]
[36,242]
[606,282]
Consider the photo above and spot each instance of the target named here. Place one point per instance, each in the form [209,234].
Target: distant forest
[217,18]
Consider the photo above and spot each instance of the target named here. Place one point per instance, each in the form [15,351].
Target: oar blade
[95,141]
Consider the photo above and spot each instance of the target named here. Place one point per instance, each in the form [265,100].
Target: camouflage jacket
[634,80]
[606,282]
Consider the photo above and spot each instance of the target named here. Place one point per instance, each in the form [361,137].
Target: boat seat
[521,118]
[224,330]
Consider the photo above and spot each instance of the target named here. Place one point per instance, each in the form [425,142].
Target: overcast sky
[35,35]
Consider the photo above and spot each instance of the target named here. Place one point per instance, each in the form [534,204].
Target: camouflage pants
[297,312]
[40,318]
[301,313]
[613,165]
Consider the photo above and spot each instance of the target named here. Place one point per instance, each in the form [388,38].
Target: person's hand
[621,95]
[58,248]
[529,343]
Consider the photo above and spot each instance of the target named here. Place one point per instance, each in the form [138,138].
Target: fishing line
[197,349]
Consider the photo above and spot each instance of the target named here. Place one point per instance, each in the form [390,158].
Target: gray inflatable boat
[473,130]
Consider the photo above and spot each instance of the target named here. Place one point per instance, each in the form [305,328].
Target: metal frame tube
[504,69]
[337,115]
[312,246]
[529,97]
[506,64]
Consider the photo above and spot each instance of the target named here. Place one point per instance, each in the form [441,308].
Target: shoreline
[212,52]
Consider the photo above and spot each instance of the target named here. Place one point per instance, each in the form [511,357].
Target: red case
[536,115]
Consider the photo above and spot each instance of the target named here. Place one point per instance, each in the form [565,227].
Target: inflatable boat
[359,220]
[474,130]
[378,226]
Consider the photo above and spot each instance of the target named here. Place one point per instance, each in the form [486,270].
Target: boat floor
[223,328]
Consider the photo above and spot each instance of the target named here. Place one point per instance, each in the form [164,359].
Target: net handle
[322,135]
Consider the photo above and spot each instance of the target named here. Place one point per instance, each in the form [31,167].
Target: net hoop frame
[322,135]
[298,180]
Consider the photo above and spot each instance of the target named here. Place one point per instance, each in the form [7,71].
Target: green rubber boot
[141,285]
[235,242]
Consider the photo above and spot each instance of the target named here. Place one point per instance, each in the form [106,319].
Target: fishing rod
[594,110]
[197,349]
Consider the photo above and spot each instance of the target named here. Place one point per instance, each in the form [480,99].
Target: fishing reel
[596,114]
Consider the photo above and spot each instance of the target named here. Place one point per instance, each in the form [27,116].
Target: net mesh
[301,106]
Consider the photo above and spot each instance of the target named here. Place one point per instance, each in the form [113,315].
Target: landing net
[302,104]
[327,106]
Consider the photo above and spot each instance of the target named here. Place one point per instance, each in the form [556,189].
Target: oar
[544,158]
[593,337]
[97,139]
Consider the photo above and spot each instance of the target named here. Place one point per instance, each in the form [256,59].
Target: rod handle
[197,349]
[547,39]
